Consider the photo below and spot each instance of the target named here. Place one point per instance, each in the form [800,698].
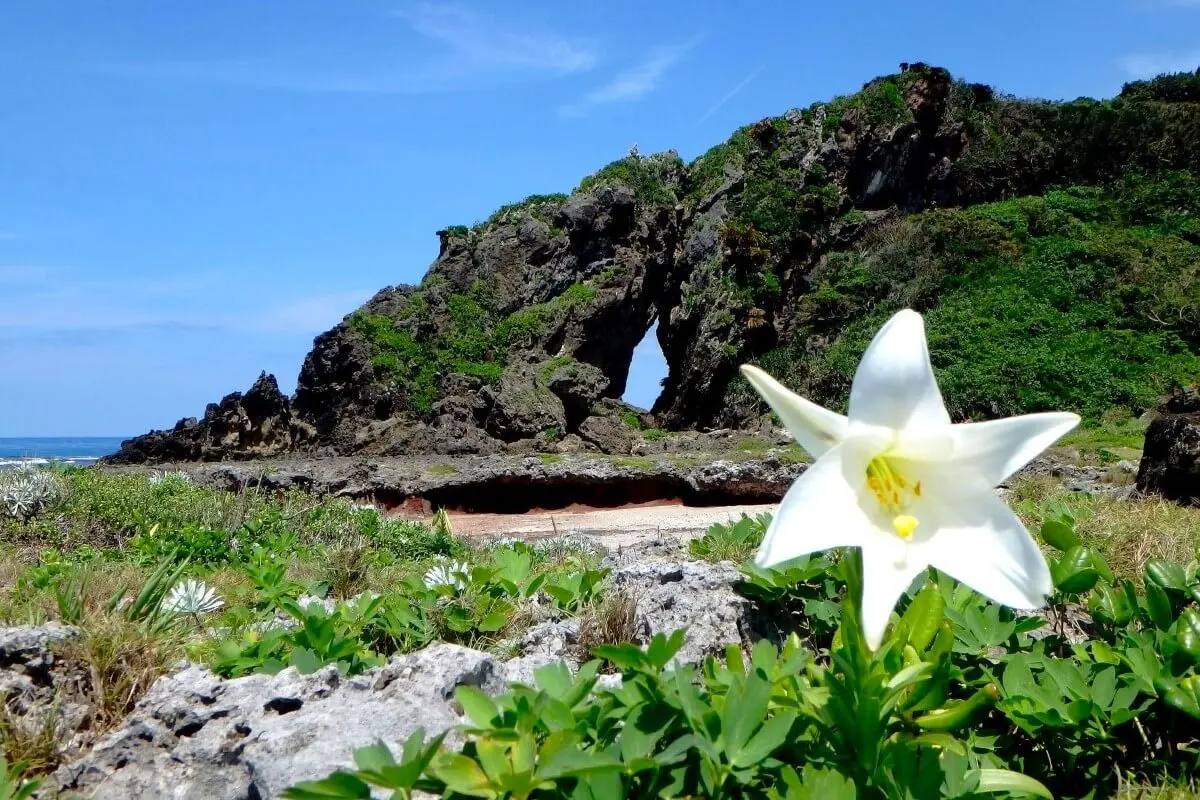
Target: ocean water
[80,450]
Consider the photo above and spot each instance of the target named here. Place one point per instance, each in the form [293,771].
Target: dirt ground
[616,526]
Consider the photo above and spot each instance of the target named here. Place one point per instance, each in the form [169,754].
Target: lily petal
[820,511]
[885,578]
[998,448]
[814,428]
[894,385]
[980,542]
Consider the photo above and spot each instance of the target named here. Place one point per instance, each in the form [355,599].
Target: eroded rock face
[257,424]
[525,324]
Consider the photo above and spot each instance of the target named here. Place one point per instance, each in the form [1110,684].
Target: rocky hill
[1054,247]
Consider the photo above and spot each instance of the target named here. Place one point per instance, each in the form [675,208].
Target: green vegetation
[471,338]
[650,178]
[1083,298]
[632,420]
[534,206]
[735,541]
[881,102]
[443,469]
[108,551]
[554,365]
[948,707]
[632,462]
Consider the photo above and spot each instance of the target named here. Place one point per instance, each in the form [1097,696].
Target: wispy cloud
[484,40]
[39,305]
[734,92]
[477,49]
[1148,65]
[632,83]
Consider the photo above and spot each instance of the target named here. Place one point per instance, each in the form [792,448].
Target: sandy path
[617,526]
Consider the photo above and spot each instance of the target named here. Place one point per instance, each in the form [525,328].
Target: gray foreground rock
[694,595]
[195,736]
[37,688]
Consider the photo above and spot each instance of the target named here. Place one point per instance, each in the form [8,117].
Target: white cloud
[1148,65]
[734,92]
[633,83]
[477,49]
[483,39]
[40,304]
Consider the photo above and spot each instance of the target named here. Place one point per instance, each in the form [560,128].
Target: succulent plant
[178,476]
[447,573]
[191,597]
[27,492]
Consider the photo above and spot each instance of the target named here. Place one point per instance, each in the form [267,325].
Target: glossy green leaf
[1187,633]
[1185,696]
[1059,534]
[1166,575]
[1075,572]
[1158,606]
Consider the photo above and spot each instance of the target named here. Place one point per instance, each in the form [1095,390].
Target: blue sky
[190,191]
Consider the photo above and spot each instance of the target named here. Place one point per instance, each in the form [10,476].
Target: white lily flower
[909,488]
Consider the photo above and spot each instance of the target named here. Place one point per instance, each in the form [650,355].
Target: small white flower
[909,488]
[449,573]
[191,597]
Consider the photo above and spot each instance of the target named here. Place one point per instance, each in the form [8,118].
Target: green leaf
[1104,688]
[1110,604]
[461,774]
[1166,575]
[490,756]
[1003,780]
[769,738]
[744,713]
[1185,696]
[492,623]
[304,660]
[663,648]
[479,707]
[1059,534]
[1158,606]
[923,617]
[339,786]
[1187,633]
[1075,572]
[376,756]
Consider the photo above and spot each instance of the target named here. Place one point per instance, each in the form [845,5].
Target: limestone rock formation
[522,331]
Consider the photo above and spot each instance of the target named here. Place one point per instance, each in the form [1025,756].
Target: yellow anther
[905,525]
[895,494]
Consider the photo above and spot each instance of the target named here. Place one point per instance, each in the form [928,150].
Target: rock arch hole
[647,370]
